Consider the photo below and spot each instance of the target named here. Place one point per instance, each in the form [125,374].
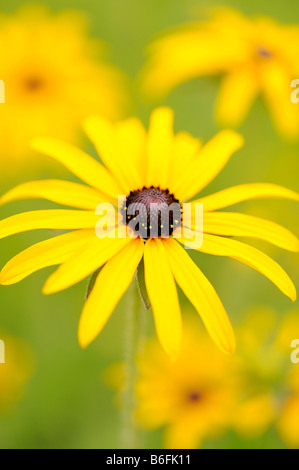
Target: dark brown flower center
[194,397]
[33,84]
[264,52]
[152,212]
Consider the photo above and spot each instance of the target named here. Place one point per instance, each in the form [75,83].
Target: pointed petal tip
[83,344]
[2,279]
[164,109]
[228,343]
[293,243]
[83,340]
[164,112]
[5,278]
[48,289]
[290,290]
[230,350]
[173,350]
[239,139]
[6,197]
[292,194]
[173,355]
[294,296]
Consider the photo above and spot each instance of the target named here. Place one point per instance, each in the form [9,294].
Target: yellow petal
[112,282]
[258,260]
[180,435]
[163,296]
[79,163]
[102,133]
[46,253]
[131,138]
[254,416]
[242,225]
[190,52]
[185,147]
[208,163]
[47,219]
[83,263]
[244,192]
[159,147]
[202,295]
[61,192]
[238,90]
[276,80]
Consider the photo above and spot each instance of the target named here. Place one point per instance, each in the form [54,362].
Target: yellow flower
[157,166]
[253,56]
[268,378]
[193,398]
[15,371]
[204,393]
[54,76]
[287,422]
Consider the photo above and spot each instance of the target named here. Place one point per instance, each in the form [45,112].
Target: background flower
[192,398]
[54,75]
[205,395]
[269,378]
[254,56]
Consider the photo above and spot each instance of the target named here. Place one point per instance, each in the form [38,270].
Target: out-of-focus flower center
[264,52]
[152,212]
[194,396]
[33,84]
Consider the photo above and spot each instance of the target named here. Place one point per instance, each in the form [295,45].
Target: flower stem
[134,338]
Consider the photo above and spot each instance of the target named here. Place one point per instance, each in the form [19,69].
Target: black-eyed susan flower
[268,377]
[203,394]
[253,56]
[54,76]
[192,399]
[148,168]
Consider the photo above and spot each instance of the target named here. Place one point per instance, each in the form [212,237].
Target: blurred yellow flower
[15,371]
[287,422]
[204,393]
[154,167]
[268,377]
[54,75]
[193,398]
[253,56]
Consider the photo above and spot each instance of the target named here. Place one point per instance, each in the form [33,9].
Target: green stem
[134,339]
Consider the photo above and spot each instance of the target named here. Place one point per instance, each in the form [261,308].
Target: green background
[66,403]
